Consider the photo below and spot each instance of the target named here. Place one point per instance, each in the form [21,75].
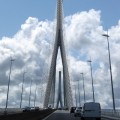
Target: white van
[91,110]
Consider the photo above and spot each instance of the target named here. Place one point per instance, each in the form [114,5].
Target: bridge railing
[110,112]
[10,110]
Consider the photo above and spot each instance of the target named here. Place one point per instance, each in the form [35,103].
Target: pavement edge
[48,116]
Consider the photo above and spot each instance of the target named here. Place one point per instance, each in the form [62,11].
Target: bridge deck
[41,115]
[33,115]
[61,115]
[65,115]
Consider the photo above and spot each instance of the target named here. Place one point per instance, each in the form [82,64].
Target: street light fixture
[92,79]
[107,36]
[83,86]
[9,84]
[22,88]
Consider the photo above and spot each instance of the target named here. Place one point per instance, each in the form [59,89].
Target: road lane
[33,115]
[62,115]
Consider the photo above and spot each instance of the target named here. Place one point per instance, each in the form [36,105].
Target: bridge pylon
[59,43]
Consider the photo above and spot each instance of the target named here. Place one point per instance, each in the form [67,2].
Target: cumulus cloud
[32,46]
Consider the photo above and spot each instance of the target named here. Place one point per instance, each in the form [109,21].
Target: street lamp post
[83,86]
[9,84]
[79,92]
[92,80]
[35,95]
[22,89]
[107,36]
[30,92]
[75,96]
[41,95]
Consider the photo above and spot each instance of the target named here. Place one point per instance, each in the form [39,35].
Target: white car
[91,110]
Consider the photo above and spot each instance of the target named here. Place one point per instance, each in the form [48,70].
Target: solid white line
[111,118]
[48,116]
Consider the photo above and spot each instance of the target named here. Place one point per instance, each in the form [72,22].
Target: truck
[91,110]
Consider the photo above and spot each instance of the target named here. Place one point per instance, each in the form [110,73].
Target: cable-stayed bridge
[64,94]
[67,101]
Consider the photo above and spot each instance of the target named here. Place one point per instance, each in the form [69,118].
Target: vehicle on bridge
[34,109]
[91,110]
[78,111]
[72,109]
[26,109]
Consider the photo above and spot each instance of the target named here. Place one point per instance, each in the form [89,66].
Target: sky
[14,13]
[27,33]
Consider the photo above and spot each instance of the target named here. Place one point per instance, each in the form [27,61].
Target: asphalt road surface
[42,115]
[33,115]
[63,115]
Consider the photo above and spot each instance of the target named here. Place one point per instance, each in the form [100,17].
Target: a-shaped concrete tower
[59,43]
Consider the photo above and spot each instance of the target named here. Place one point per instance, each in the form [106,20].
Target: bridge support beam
[59,100]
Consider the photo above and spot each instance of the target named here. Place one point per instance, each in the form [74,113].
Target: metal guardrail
[110,113]
[110,118]
[10,110]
